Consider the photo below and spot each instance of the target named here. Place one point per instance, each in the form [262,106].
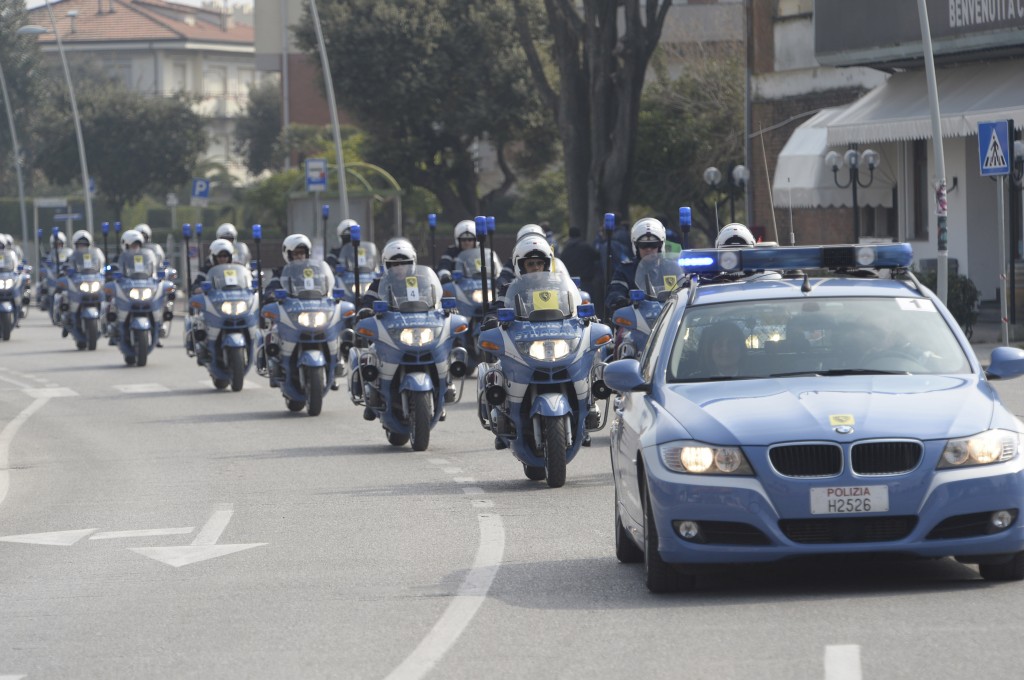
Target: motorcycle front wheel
[92,332]
[140,337]
[421,405]
[554,449]
[313,376]
[396,439]
[236,367]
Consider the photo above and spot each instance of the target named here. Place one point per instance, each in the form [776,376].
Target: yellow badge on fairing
[670,281]
[477,260]
[307,273]
[230,277]
[545,299]
[412,282]
[840,419]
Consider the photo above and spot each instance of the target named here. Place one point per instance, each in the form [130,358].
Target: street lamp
[738,180]
[332,106]
[17,160]
[854,161]
[39,30]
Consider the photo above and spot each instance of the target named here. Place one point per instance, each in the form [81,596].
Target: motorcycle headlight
[546,350]
[140,293]
[993,446]
[416,337]
[478,296]
[6,284]
[238,307]
[312,319]
[699,458]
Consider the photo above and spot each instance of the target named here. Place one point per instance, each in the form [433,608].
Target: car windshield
[306,279]
[411,288]
[468,262]
[366,257]
[542,296]
[835,336]
[657,275]
[230,277]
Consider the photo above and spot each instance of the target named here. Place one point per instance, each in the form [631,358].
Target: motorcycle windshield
[89,261]
[138,265]
[542,296]
[469,263]
[366,258]
[411,288]
[658,275]
[230,277]
[8,262]
[307,279]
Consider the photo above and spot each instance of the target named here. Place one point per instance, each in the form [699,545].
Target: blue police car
[801,401]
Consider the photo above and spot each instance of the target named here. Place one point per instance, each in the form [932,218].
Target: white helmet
[647,229]
[398,251]
[530,229]
[465,227]
[80,235]
[147,233]
[58,237]
[227,231]
[219,247]
[295,241]
[131,237]
[735,235]
[344,229]
[529,247]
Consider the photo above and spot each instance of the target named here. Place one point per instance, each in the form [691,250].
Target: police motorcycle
[221,331]
[81,295]
[404,377]
[302,345]
[50,272]
[361,258]
[657,275]
[138,297]
[539,397]
[13,293]
[466,286]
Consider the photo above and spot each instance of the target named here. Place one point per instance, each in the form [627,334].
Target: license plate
[845,500]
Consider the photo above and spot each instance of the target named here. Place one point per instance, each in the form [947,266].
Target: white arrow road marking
[7,436]
[137,533]
[16,383]
[463,607]
[12,677]
[141,388]
[842,662]
[203,547]
[64,538]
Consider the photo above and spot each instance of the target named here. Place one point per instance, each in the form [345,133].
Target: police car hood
[765,411]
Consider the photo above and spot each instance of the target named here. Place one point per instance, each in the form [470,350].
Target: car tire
[659,576]
[1011,570]
[626,549]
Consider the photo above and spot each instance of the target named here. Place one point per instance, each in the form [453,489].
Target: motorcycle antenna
[106,229]
[609,227]
[186,233]
[325,212]
[56,257]
[354,233]
[432,224]
[481,233]
[257,236]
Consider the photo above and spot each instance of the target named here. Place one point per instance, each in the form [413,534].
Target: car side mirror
[624,376]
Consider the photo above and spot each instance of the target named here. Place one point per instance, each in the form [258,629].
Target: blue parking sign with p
[200,188]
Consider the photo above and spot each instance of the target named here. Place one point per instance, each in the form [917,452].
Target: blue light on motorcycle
[432,220]
[257,231]
[280,294]
[585,311]
[206,286]
[186,230]
[326,211]
[355,233]
[506,315]
[105,227]
[338,293]
[609,221]
[379,306]
[449,303]
[636,295]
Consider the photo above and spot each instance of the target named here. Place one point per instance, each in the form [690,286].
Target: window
[920,191]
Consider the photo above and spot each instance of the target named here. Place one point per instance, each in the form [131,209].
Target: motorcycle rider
[222,251]
[228,232]
[735,235]
[133,258]
[508,271]
[397,251]
[91,258]
[148,244]
[647,236]
[344,232]
[465,238]
[58,247]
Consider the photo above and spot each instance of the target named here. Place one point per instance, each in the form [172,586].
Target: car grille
[807,460]
[848,529]
[885,458]
[732,533]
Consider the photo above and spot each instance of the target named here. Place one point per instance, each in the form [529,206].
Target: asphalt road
[153,527]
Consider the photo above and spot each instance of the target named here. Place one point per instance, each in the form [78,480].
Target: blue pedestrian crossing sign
[994,148]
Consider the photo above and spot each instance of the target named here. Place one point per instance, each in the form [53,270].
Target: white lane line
[215,526]
[463,480]
[472,490]
[842,662]
[138,533]
[452,471]
[141,388]
[12,677]
[481,503]
[7,436]
[50,391]
[16,383]
[463,607]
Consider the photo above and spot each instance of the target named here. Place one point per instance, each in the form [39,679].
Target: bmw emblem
[844,429]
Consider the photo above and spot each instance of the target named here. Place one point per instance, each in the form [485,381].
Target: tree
[601,68]
[19,56]
[686,125]
[134,144]
[428,79]
[258,129]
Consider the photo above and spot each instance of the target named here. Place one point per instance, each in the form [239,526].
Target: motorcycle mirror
[585,311]
[338,293]
[365,313]
[505,315]
[448,303]
[280,293]
[636,295]
[206,286]
[379,306]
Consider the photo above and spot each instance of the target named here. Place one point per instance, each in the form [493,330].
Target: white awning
[802,180]
[898,110]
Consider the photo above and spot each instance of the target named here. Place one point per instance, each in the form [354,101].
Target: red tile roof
[133,20]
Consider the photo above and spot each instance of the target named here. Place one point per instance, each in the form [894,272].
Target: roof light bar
[876,256]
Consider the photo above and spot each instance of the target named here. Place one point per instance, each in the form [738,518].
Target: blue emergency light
[585,311]
[355,233]
[105,227]
[186,230]
[481,225]
[449,303]
[280,293]
[458,276]
[325,211]
[609,221]
[199,228]
[506,315]
[117,227]
[685,219]
[637,295]
[257,231]
[206,286]
[379,306]
[490,224]
[432,220]
[880,256]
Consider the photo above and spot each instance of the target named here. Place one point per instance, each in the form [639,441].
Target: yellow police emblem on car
[840,419]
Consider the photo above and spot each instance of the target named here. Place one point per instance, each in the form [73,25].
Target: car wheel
[1011,570]
[626,549]
[659,576]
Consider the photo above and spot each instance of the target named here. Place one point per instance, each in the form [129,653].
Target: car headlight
[699,458]
[140,293]
[477,296]
[236,307]
[552,349]
[312,319]
[416,337]
[993,446]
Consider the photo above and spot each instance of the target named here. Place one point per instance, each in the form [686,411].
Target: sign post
[316,181]
[994,153]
